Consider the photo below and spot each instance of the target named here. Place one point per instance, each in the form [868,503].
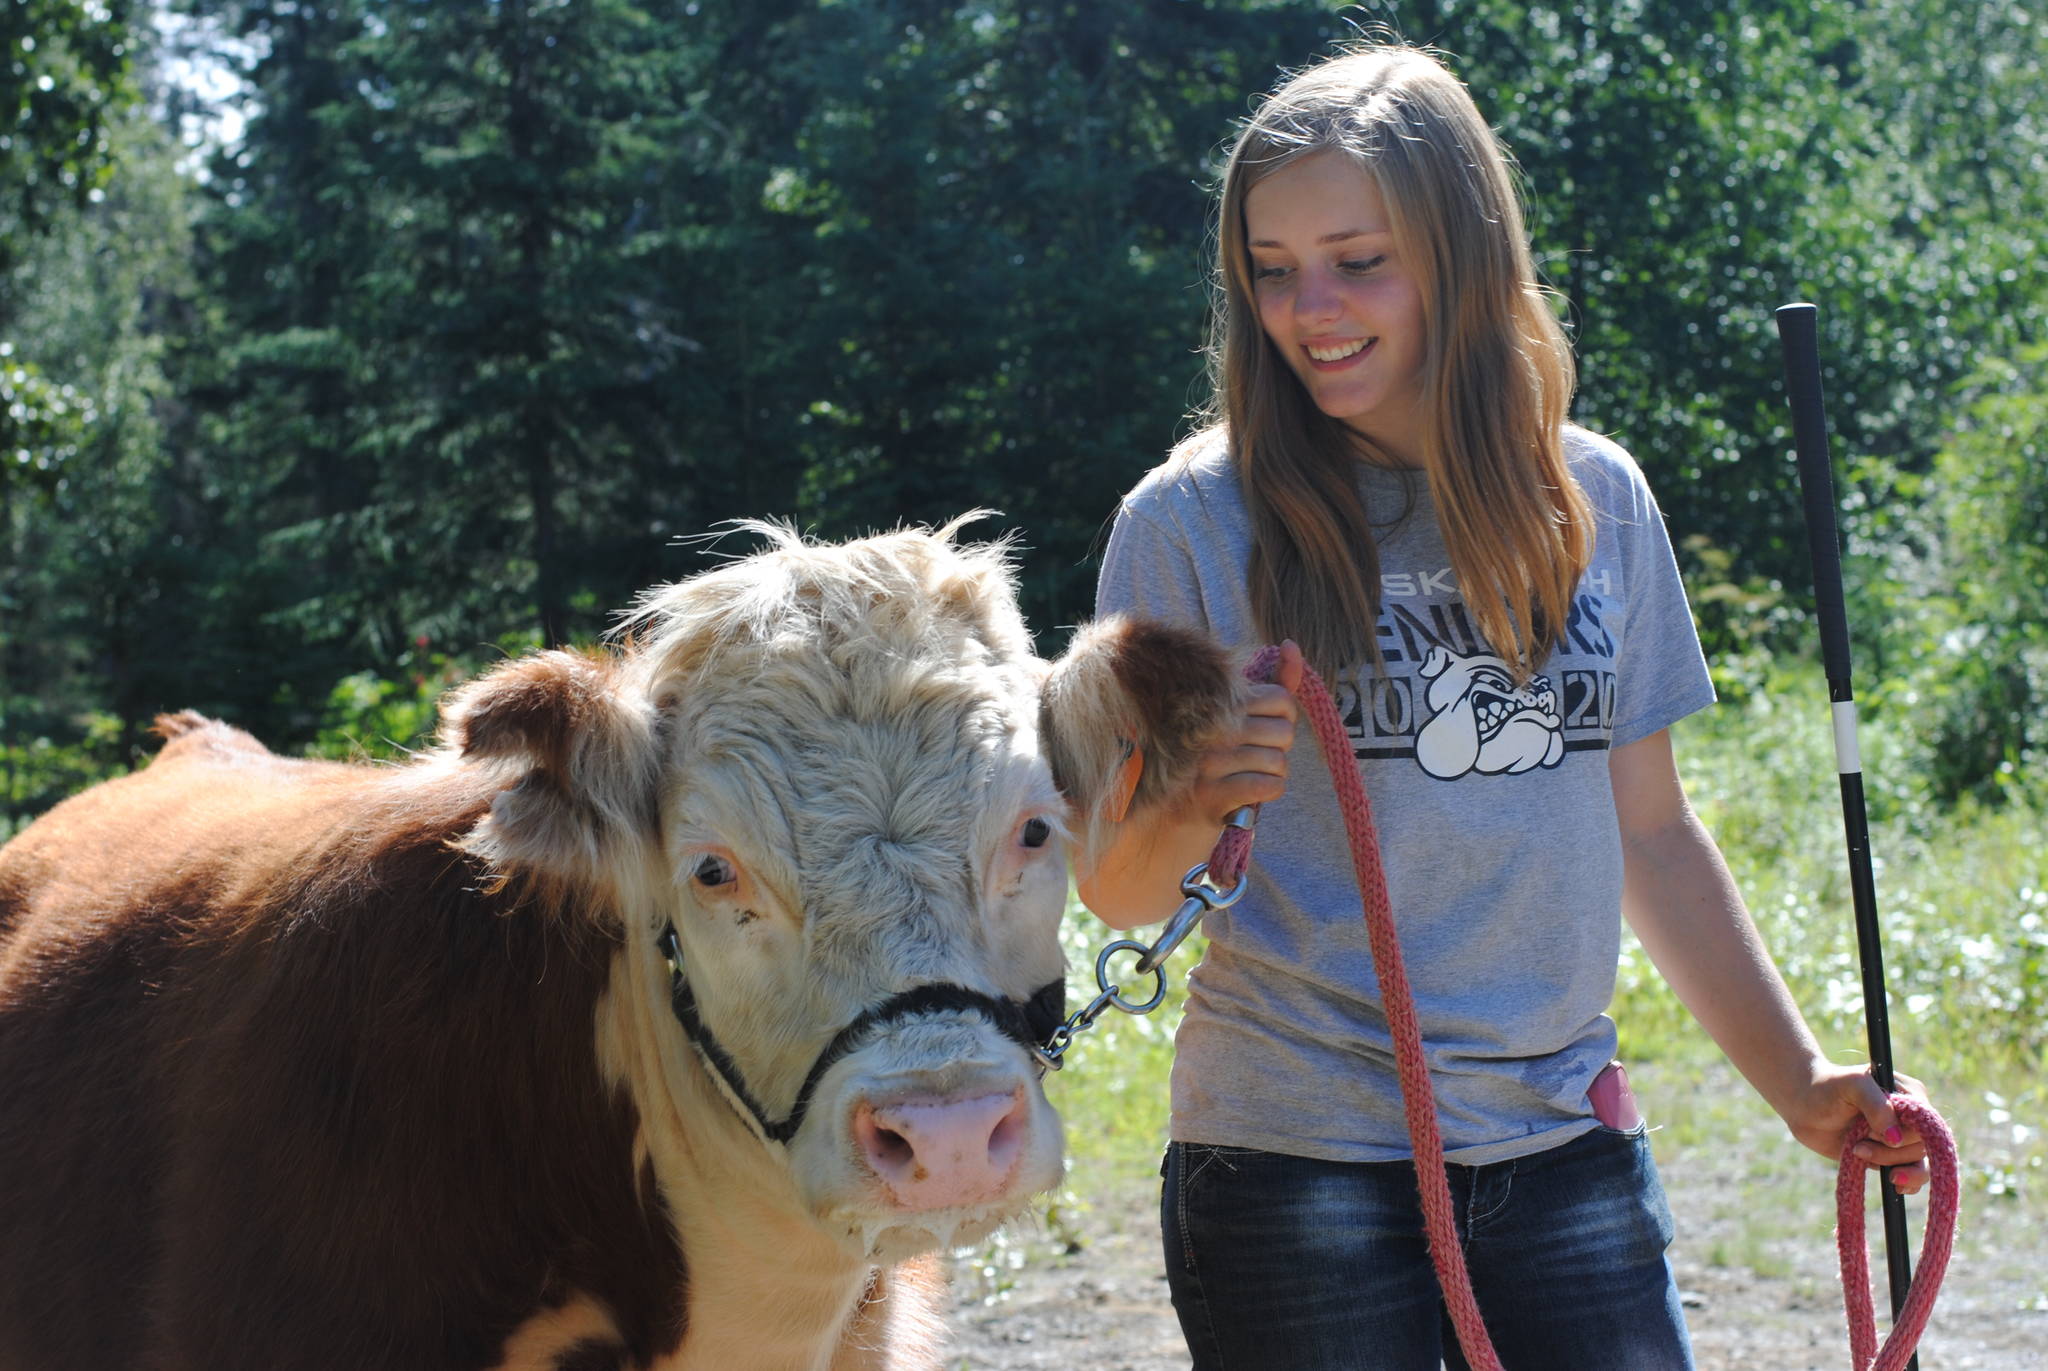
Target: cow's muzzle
[1029,1022]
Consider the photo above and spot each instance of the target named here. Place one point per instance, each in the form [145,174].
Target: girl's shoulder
[1612,480]
[1197,476]
[1586,450]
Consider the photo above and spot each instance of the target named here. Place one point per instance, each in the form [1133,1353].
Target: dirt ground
[1104,1307]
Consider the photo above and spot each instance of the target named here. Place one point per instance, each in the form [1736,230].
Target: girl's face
[1336,299]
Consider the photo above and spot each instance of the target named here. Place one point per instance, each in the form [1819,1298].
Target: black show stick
[1798,334]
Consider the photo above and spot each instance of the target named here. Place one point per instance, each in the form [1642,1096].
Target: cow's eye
[714,870]
[1036,833]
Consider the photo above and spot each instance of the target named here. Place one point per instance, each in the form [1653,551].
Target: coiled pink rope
[1936,1243]
[1446,1253]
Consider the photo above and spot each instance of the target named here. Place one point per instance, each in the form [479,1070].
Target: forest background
[347,345]
[440,326]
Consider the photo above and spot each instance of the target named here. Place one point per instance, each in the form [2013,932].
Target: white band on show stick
[1848,761]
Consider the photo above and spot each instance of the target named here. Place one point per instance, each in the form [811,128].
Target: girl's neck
[1378,452]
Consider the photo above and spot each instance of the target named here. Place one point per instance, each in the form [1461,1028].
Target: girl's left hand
[1836,1097]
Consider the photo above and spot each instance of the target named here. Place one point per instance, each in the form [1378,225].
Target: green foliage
[506,149]
[38,770]
[92,556]
[1967,572]
[64,80]
[389,715]
[1962,891]
[424,381]
[43,423]
[948,256]
[489,303]
[373,716]
[1739,611]
[384,715]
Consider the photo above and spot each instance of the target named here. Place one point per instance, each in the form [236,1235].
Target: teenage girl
[1387,478]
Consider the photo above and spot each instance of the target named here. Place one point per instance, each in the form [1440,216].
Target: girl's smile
[1334,356]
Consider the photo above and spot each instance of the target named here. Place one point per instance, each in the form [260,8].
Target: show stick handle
[1799,336]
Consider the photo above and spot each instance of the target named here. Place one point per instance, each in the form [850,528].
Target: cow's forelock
[911,594]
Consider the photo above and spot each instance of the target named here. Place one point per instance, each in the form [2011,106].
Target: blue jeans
[1289,1262]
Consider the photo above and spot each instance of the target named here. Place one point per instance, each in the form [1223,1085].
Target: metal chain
[1200,898]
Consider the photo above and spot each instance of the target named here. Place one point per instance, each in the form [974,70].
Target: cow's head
[816,792]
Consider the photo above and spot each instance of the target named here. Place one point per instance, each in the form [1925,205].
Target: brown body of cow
[307,1064]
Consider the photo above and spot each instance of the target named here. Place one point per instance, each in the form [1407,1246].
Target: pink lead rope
[1446,1253]
[1424,1139]
[1936,1243]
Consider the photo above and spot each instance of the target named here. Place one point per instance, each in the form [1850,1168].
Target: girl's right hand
[1137,879]
[1248,766]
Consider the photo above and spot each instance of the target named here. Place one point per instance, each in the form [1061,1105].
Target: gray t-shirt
[1496,822]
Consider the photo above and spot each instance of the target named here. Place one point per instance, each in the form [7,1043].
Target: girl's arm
[1136,878]
[1683,905]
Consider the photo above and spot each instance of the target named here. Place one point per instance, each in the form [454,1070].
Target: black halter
[1029,1022]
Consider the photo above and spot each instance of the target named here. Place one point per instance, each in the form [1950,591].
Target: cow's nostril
[886,1150]
[891,1147]
[1008,1138]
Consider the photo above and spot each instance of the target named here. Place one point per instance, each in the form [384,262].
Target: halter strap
[1027,1023]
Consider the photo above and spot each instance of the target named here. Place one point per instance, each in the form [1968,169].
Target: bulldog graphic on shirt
[1481,721]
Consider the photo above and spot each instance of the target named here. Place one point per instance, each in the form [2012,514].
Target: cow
[675,1010]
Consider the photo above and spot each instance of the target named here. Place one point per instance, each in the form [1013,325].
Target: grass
[1963,905]
[1963,901]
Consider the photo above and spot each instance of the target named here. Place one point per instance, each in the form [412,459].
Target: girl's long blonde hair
[1497,373]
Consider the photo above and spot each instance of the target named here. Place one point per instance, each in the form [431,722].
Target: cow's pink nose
[934,1154]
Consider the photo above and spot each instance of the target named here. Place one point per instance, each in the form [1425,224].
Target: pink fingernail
[1893,1136]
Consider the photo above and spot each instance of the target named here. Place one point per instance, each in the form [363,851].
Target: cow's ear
[576,754]
[1127,712]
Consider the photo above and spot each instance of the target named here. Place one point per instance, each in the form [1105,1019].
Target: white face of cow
[813,783]
[830,849]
